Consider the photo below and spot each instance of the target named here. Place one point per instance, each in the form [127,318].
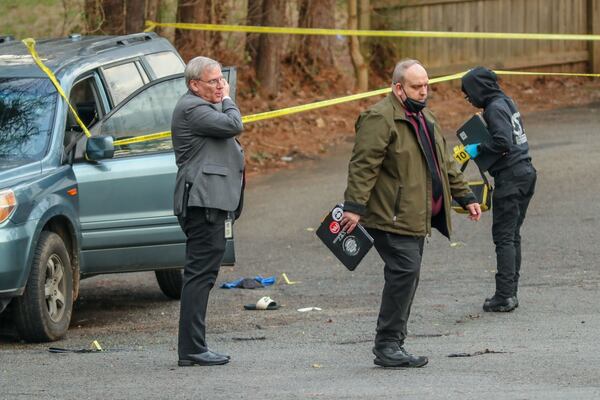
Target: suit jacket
[209,158]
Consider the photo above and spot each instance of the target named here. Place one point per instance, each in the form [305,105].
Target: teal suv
[72,206]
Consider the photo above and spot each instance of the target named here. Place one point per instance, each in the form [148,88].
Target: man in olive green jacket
[401,182]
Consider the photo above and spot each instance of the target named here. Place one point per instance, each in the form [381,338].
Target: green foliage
[7,4]
[40,18]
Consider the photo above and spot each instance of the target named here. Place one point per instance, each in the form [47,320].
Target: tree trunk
[135,11]
[152,9]
[93,15]
[193,43]
[164,11]
[114,17]
[593,9]
[217,16]
[118,17]
[364,22]
[361,69]
[315,51]
[254,17]
[270,48]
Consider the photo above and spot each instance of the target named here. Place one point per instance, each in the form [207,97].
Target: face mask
[412,105]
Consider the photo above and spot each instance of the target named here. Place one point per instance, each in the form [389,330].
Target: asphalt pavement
[546,349]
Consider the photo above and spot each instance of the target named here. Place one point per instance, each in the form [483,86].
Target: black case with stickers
[348,248]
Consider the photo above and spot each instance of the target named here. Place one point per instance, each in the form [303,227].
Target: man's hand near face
[225,88]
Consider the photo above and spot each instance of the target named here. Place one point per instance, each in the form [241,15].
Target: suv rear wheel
[170,282]
[44,311]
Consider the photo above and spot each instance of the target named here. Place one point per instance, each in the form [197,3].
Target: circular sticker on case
[334,227]
[337,213]
[350,246]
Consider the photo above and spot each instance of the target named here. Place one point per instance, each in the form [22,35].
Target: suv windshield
[26,113]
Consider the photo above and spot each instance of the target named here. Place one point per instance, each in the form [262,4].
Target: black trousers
[402,257]
[513,191]
[205,247]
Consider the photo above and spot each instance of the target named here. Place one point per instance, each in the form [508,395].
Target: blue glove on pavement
[472,150]
[249,283]
[265,281]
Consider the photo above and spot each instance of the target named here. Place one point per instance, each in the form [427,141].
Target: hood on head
[480,84]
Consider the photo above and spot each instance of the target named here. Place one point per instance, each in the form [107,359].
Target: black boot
[499,304]
[515,298]
[394,355]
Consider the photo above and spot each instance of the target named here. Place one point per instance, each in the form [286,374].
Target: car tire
[170,282]
[43,312]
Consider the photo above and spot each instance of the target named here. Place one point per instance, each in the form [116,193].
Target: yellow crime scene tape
[143,138]
[30,43]
[151,25]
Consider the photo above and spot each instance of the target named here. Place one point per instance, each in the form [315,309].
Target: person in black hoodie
[514,179]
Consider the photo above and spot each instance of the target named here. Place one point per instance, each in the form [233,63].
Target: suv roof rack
[116,41]
[6,38]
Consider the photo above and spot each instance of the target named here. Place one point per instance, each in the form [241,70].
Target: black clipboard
[475,131]
[351,248]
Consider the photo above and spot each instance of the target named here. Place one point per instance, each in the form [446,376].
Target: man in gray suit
[208,195]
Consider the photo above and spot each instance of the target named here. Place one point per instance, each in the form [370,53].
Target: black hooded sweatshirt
[502,117]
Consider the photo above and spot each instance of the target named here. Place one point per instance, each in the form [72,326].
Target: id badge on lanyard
[228,227]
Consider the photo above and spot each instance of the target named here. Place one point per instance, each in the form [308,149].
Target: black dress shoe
[499,304]
[220,354]
[394,355]
[206,358]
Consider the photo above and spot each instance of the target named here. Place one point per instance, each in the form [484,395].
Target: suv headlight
[8,203]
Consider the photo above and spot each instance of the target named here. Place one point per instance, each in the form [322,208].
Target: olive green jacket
[389,183]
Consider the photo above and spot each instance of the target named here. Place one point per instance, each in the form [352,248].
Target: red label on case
[334,227]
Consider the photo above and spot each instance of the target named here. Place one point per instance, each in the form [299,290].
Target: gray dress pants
[402,257]
[205,248]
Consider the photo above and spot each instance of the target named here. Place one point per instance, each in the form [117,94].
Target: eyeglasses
[213,82]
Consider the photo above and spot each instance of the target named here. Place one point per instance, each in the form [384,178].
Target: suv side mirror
[99,147]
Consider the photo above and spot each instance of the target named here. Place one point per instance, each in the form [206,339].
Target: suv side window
[85,98]
[145,112]
[124,79]
[164,64]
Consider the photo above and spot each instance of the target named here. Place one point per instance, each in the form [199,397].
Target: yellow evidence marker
[460,154]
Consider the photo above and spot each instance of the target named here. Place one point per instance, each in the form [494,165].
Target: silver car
[72,206]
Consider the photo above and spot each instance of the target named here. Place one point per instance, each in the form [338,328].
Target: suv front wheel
[43,313]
